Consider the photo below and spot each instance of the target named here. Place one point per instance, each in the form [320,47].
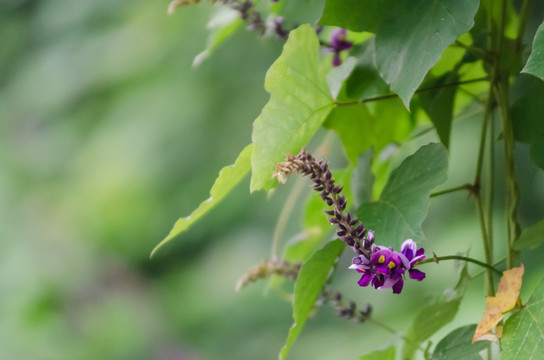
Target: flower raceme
[386,268]
[381,267]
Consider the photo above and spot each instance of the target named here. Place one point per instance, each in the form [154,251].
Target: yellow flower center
[381,259]
[391,265]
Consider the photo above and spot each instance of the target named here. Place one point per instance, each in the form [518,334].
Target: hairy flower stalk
[380,266]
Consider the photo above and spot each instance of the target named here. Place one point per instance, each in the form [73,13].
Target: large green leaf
[434,316]
[530,237]
[457,345]
[411,39]
[527,116]
[535,64]
[309,282]
[404,202]
[386,354]
[299,103]
[228,178]
[356,15]
[523,334]
[438,104]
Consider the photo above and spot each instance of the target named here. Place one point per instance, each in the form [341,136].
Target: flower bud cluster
[350,229]
[380,266]
[349,311]
[268,268]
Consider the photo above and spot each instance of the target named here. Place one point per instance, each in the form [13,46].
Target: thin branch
[437,259]
[392,96]
[467,186]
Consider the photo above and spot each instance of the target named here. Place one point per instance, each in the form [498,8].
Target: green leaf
[299,103]
[457,345]
[337,75]
[360,130]
[535,64]
[531,237]
[433,317]
[223,24]
[386,354]
[404,202]
[355,126]
[362,180]
[438,104]
[356,15]
[228,178]
[412,38]
[310,280]
[365,81]
[527,116]
[523,334]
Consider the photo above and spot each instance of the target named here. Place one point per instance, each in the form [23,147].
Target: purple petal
[405,261]
[416,274]
[408,244]
[420,251]
[365,280]
[397,288]
[336,61]
[337,36]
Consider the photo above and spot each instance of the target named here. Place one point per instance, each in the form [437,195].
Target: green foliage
[310,280]
[228,178]
[404,202]
[365,81]
[412,38]
[439,104]
[299,103]
[535,64]
[527,113]
[531,237]
[457,345]
[434,316]
[356,15]
[386,354]
[523,337]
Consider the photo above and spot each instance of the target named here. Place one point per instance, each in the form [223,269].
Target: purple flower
[410,256]
[337,44]
[386,268]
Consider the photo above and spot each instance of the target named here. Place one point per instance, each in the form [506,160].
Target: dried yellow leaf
[505,300]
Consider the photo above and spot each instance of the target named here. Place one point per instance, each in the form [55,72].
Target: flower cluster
[338,43]
[381,266]
[385,269]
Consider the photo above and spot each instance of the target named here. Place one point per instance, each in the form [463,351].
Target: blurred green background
[107,136]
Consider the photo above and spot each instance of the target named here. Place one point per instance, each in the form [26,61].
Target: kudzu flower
[380,266]
[338,43]
[386,268]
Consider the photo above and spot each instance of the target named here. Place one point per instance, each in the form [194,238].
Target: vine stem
[484,225]
[392,96]
[467,186]
[437,259]
[513,228]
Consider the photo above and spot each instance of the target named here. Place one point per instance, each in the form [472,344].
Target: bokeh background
[108,135]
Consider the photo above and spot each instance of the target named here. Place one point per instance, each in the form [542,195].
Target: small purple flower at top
[337,44]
